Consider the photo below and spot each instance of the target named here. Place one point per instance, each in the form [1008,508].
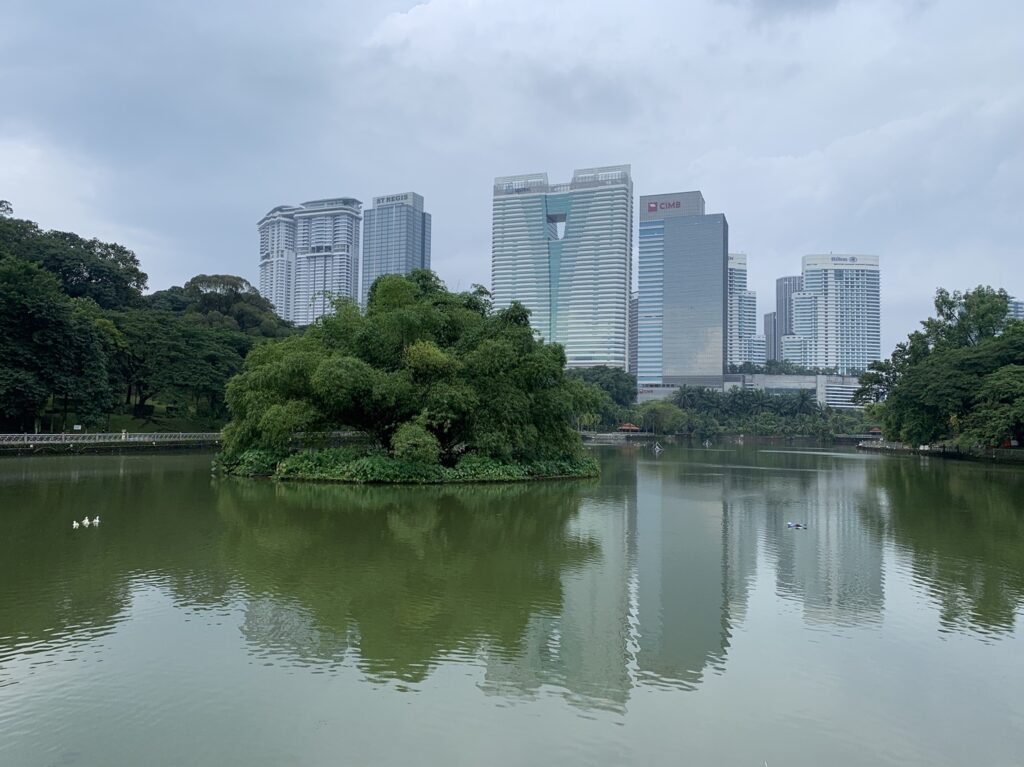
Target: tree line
[79,338]
[960,378]
[704,413]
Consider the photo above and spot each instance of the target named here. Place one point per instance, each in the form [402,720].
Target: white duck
[96,521]
[86,522]
[75,525]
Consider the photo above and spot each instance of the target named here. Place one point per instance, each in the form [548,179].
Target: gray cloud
[871,127]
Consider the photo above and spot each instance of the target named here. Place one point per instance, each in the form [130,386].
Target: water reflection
[407,575]
[585,590]
[962,526]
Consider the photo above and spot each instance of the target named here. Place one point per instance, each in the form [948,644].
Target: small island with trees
[437,386]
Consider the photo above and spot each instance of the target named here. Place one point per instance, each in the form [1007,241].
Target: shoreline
[1005,456]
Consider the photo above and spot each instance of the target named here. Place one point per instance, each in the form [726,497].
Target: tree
[419,360]
[964,319]
[48,348]
[225,302]
[107,273]
[999,412]
[660,417]
[620,385]
[934,381]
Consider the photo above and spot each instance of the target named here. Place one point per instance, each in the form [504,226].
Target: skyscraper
[771,336]
[743,345]
[683,291]
[396,237]
[634,305]
[565,252]
[1016,309]
[309,255]
[785,287]
[837,316]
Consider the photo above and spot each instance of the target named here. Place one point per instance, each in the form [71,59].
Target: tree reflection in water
[406,575]
[963,526]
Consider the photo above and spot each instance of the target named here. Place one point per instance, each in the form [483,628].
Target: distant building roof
[629,427]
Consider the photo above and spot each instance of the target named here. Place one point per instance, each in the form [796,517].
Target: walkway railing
[75,438]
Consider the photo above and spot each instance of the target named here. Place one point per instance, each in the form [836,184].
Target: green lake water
[662,615]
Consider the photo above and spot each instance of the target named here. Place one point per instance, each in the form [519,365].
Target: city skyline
[423,89]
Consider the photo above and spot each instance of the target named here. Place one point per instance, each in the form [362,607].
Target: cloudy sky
[893,127]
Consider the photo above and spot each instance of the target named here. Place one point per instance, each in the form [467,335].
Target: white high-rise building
[837,315]
[1016,309]
[309,256]
[565,252]
[742,344]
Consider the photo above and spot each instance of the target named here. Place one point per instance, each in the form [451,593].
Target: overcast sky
[893,128]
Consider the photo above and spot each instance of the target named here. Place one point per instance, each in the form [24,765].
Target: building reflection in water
[678,545]
[834,568]
[585,590]
[655,606]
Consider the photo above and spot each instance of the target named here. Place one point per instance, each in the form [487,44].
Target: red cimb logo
[652,207]
[671,204]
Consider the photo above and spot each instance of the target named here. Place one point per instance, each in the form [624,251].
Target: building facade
[837,315]
[634,305]
[565,252]
[683,291]
[396,238]
[785,287]
[1016,309]
[834,391]
[309,256]
[743,344]
[771,336]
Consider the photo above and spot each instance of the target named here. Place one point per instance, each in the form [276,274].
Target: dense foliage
[959,378]
[782,367]
[437,380]
[78,336]
[619,385]
[703,413]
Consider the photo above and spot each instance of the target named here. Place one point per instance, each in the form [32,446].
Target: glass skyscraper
[565,252]
[837,315]
[683,281]
[309,256]
[396,237]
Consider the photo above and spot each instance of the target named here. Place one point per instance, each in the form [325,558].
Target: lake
[662,615]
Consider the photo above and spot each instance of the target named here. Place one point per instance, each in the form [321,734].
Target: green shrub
[249,463]
[329,463]
[363,464]
[385,469]
[415,444]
